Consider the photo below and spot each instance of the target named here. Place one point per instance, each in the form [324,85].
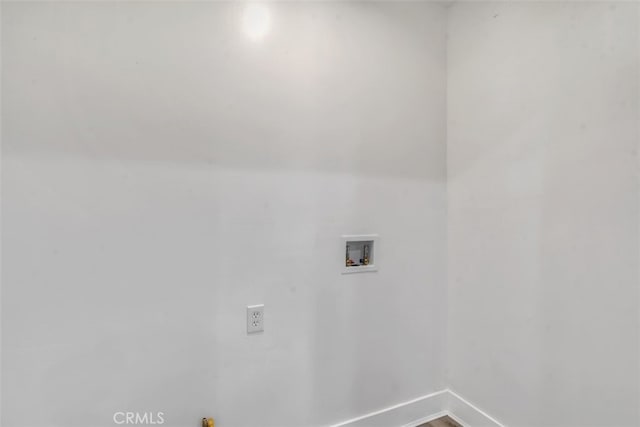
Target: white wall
[161,171]
[543,112]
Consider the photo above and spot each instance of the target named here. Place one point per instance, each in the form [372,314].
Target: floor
[441,422]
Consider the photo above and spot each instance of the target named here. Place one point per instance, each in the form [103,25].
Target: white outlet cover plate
[255,318]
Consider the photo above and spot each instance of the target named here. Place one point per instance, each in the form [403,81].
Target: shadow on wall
[181,82]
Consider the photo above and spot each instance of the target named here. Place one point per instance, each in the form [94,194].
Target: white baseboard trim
[415,412]
[468,414]
[423,409]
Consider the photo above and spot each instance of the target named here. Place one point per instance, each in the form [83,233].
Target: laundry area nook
[312,213]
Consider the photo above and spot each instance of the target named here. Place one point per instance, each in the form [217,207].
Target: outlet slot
[255,318]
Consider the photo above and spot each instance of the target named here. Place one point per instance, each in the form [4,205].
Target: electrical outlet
[255,318]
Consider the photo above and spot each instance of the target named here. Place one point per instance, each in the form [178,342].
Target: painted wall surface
[161,171]
[543,112]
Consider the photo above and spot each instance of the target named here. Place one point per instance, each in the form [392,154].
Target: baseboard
[468,414]
[423,409]
[406,414]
